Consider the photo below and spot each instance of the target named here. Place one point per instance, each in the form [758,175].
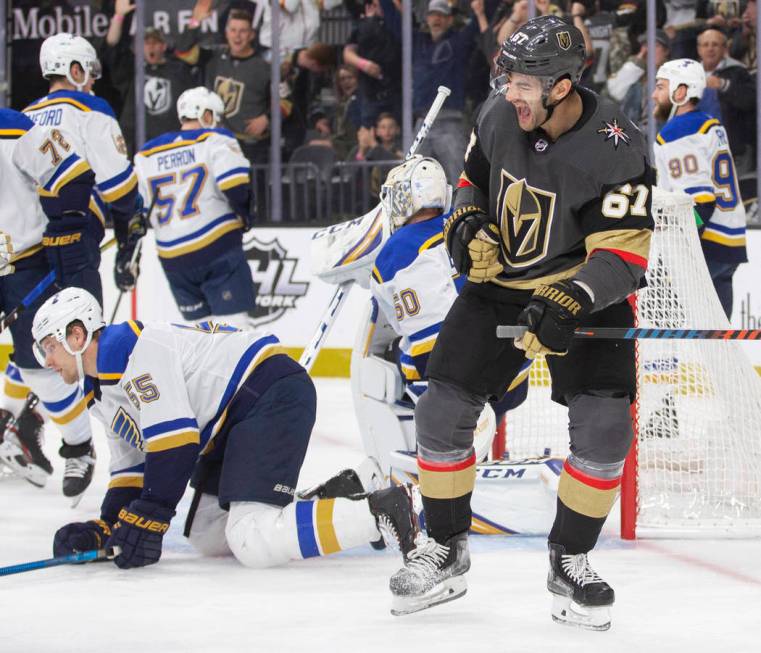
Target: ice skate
[348,482]
[392,509]
[580,597]
[21,448]
[435,573]
[77,475]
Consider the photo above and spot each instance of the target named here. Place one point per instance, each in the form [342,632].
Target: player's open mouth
[524,113]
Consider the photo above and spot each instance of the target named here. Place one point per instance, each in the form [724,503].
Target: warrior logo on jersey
[525,215]
[157,95]
[564,39]
[272,270]
[612,130]
[231,92]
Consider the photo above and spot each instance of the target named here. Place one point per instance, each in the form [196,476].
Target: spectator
[438,58]
[682,26]
[379,143]
[238,74]
[299,22]
[378,58]
[744,38]
[629,85]
[166,77]
[730,96]
[348,113]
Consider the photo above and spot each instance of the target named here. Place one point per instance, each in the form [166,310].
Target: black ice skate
[392,509]
[77,475]
[435,573]
[580,597]
[21,449]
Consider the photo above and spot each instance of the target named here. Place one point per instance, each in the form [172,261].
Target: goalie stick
[310,352]
[626,333]
[72,559]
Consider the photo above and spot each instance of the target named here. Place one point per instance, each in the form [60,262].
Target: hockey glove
[139,532]
[127,267]
[473,244]
[70,246]
[6,254]
[551,316]
[80,536]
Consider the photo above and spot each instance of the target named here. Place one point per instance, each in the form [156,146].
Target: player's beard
[662,112]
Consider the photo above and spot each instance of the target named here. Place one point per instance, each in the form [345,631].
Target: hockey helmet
[418,183]
[687,72]
[194,102]
[545,46]
[57,313]
[59,51]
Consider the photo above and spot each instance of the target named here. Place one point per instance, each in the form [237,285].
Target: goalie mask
[418,183]
[195,102]
[60,51]
[57,313]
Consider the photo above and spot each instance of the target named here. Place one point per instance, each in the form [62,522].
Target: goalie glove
[552,315]
[473,243]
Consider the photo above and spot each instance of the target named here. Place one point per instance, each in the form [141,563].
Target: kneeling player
[224,404]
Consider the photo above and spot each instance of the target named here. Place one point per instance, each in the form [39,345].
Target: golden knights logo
[564,39]
[615,132]
[272,271]
[157,95]
[525,218]
[231,92]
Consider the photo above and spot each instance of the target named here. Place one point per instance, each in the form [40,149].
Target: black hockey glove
[80,536]
[551,316]
[139,532]
[127,267]
[473,243]
[70,246]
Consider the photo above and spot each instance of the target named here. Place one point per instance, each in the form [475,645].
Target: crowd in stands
[347,96]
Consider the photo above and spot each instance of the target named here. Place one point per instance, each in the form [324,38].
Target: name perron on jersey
[184,174]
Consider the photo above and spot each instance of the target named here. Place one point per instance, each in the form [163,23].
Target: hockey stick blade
[73,559]
[626,333]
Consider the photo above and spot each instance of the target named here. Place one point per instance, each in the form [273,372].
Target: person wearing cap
[166,77]
[439,58]
[627,86]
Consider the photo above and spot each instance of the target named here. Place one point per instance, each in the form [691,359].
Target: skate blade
[14,458]
[75,500]
[370,475]
[451,589]
[569,613]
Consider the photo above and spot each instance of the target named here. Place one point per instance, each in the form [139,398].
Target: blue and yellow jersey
[186,175]
[164,391]
[692,155]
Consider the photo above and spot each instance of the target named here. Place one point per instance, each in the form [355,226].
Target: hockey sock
[446,487]
[584,501]
[15,390]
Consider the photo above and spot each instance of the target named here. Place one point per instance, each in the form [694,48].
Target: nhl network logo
[272,270]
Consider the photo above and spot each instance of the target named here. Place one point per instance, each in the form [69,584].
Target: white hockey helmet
[59,51]
[58,312]
[194,102]
[687,72]
[418,183]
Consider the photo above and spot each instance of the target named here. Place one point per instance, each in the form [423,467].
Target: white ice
[671,595]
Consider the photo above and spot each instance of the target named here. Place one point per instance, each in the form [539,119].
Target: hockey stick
[310,352]
[34,294]
[72,559]
[625,333]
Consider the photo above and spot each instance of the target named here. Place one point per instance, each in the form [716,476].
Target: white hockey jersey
[692,155]
[186,174]
[89,125]
[415,284]
[161,387]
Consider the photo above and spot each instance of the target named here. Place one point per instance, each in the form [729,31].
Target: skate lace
[77,467]
[579,570]
[427,556]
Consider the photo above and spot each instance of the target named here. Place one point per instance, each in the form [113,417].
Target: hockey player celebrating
[551,224]
[692,155]
[197,179]
[226,405]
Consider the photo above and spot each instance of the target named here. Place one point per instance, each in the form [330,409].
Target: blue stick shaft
[74,558]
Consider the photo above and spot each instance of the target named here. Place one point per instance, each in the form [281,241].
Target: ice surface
[671,595]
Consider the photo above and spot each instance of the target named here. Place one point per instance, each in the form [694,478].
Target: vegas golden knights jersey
[559,203]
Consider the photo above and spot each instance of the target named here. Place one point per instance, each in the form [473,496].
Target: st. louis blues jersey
[82,127]
[692,155]
[415,284]
[29,169]
[163,392]
[191,177]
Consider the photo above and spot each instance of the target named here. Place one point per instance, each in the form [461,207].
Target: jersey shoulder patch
[688,124]
[406,244]
[114,349]
[81,101]
[13,123]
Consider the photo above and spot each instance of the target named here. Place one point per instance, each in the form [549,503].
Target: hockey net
[696,469]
